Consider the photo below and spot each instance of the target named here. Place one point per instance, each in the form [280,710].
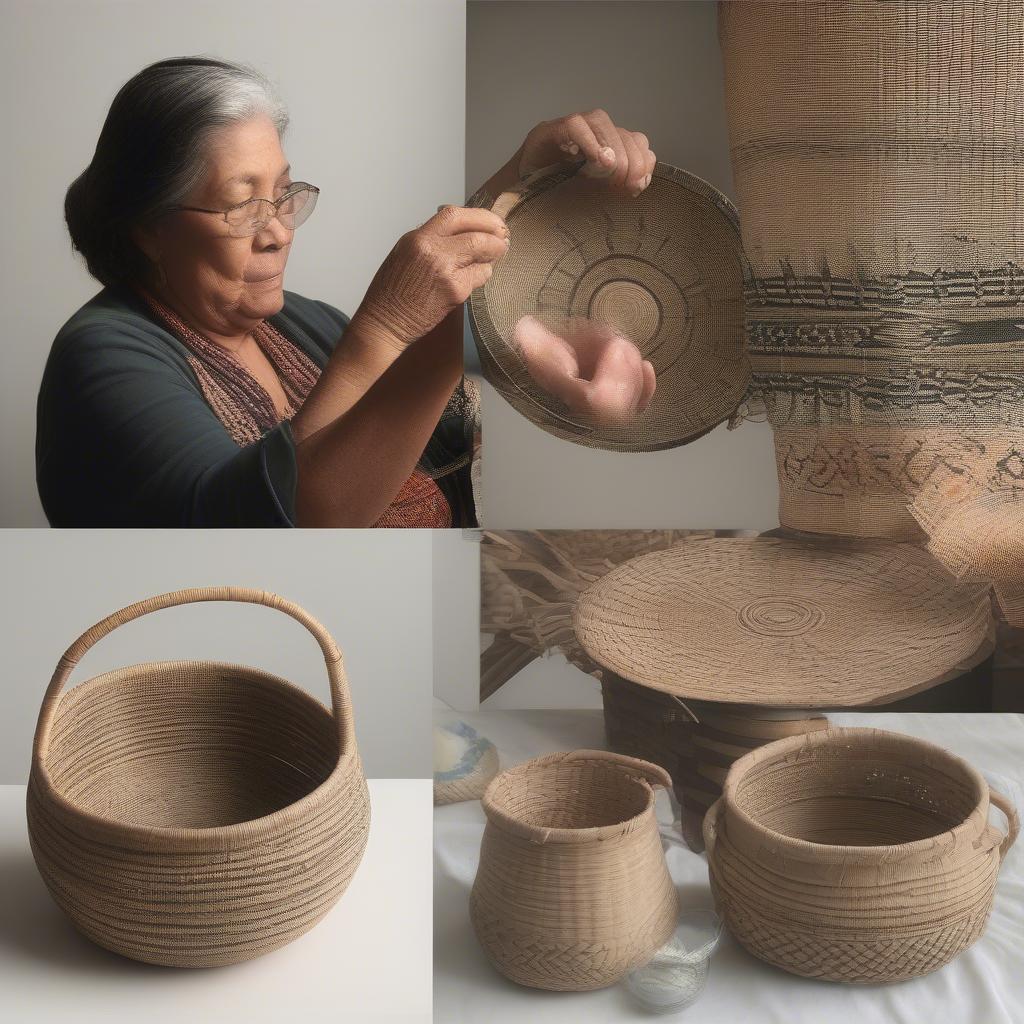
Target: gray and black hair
[152,152]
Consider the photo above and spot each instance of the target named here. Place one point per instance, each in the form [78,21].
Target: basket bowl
[855,855]
[195,814]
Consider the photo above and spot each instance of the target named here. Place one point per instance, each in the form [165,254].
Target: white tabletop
[985,985]
[368,960]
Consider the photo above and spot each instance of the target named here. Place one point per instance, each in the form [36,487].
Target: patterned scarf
[246,409]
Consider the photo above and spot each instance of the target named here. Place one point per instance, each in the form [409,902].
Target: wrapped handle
[710,827]
[1012,820]
[649,772]
[341,702]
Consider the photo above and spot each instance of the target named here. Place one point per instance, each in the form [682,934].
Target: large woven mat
[664,269]
[786,623]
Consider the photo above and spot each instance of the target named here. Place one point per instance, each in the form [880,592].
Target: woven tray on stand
[719,645]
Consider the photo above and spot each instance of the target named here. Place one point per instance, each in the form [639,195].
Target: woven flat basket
[572,890]
[786,623]
[191,813]
[855,855]
[664,269]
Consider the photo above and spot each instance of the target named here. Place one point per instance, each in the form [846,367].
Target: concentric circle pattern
[663,269]
[780,622]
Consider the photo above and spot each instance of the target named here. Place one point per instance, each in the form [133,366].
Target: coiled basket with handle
[192,813]
[855,855]
[572,890]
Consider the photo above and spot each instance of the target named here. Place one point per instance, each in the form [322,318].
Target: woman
[193,390]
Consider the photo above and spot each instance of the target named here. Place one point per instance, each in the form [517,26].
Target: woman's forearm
[351,468]
[360,359]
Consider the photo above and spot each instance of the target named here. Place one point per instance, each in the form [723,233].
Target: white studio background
[377,98]
[370,588]
[655,67]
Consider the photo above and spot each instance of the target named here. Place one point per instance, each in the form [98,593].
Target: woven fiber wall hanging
[663,269]
[778,622]
[191,813]
[572,890]
[877,164]
[855,855]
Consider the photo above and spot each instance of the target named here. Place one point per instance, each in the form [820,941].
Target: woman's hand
[622,156]
[430,271]
[600,375]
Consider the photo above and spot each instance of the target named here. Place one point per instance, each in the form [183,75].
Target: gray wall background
[370,588]
[654,67]
[377,94]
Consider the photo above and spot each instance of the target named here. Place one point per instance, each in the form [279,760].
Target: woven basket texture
[855,855]
[572,890]
[191,813]
[778,622]
[664,269]
[882,207]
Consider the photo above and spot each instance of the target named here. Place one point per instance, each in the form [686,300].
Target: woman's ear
[147,238]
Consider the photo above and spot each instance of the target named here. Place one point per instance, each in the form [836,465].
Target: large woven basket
[855,855]
[192,813]
[881,198]
[572,889]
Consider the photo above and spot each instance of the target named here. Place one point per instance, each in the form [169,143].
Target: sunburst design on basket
[614,273]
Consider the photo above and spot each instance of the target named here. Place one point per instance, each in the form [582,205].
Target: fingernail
[608,155]
[647,181]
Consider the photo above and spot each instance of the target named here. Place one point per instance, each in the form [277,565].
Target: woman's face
[225,284]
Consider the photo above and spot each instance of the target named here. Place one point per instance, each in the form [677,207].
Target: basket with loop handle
[855,855]
[193,813]
[572,890]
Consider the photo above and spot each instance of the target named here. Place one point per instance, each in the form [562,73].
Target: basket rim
[973,824]
[192,839]
[540,834]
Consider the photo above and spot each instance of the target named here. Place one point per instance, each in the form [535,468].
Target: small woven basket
[191,813]
[572,890]
[855,855]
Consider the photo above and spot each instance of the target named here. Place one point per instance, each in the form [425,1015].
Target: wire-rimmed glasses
[252,216]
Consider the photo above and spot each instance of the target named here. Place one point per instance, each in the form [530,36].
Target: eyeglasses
[252,216]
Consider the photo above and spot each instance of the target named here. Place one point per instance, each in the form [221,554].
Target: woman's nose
[273,236]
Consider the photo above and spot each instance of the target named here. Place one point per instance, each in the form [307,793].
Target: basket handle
[649,772]
[1012,820]
[710,827]
[341,702]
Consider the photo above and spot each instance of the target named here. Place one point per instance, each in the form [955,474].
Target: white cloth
[985,985]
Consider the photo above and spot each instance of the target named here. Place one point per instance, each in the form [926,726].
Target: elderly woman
[193,390]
